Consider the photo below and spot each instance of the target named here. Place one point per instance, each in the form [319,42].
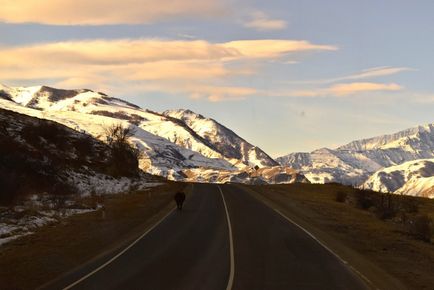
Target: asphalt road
[196,249]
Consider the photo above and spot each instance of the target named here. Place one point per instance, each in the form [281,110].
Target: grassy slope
[382,250]
[36,259]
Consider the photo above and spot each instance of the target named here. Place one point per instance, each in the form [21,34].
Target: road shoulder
[377,277]
[83,240]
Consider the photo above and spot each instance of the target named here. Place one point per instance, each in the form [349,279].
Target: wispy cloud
[376,72]
[371,73]
[195,68]
[261,22]
[272,48]
[221,93]
[420,97]
[197,91]
[102,12]
[186,36]
[344,89]
[354,88]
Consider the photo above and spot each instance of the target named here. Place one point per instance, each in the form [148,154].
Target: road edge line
[119,254]
[231,244]
[328,249]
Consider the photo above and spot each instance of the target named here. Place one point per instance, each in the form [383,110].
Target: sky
[286,75]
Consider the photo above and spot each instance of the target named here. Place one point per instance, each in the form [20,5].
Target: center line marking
[231,244]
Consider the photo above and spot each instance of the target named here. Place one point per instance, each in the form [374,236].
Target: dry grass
[33,260]
[384,243]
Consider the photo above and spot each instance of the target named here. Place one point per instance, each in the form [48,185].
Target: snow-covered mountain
[355,162]
[38,155]
[223,139]
[171,142]
[327,165]
[410,178]
[183,145]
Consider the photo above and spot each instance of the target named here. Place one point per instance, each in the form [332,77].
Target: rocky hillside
[224,140]
[410,178]
[38,155]
[355,162]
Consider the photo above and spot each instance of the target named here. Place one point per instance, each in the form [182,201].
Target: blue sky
[286,75]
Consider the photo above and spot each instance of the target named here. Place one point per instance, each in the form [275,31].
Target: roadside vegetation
[49,172]
[370,230]
[82,238]
[400,209]
[124,156]
[38,156]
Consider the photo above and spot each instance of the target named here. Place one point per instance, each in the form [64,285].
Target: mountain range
[183,145]
[358,161]
[178,144]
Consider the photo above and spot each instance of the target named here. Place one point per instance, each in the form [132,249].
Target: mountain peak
[227,142]
[388,140]
[47,98]
[183,113]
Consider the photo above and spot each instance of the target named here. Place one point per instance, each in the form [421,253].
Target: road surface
[223,239]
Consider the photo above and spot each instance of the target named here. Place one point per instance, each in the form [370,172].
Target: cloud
[420,97]
[290,62]
[370,73]
[102,12]
[198,91]
[215,93]
[124,51]
[273,48]
[354,88]
[261,22]
[345,89]
[187,36]
[191,67]
[112,52]
[377,72]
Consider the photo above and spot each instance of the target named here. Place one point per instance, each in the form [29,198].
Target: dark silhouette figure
[179,198]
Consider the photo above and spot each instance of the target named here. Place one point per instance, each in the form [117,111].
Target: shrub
[341,196]
[95,200]
[132,118]
[10,186]
[384,212]
[363,199]
[421,228]
[51,132]
[84,147]
[409,204]
[59,201]
[124,157]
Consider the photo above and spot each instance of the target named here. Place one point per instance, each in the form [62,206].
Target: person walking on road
[179,198]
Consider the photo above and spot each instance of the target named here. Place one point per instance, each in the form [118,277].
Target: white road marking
[119,254]
[231,245]
[327,248]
